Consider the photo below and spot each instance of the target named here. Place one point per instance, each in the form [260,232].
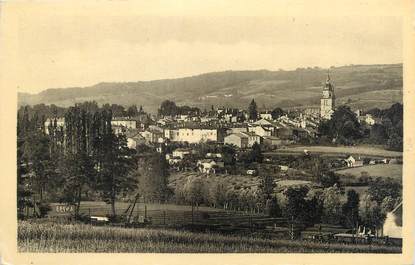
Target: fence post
[192,214]
[145,211]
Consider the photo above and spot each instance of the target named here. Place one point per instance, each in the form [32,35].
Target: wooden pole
[192,214]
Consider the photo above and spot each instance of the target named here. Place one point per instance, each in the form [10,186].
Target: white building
[59,122]
[181,152]
[192,135]
[210,166]
[124,122]
[261,130]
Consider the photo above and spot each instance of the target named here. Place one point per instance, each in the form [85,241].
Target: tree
[132,111]
[328,179]
[256,154]
[217,191]
[297,207]
[332,200]
[371,213]
[252,111]
[168,108]
[351,209]
[115,177]
[382,188]
[266,188]
[342,127]
[152,173]
[276,113]
[36,154]
[194,191]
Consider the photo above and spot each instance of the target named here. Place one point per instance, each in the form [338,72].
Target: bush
[44,209]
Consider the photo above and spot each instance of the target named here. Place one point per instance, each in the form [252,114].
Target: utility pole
[292,228]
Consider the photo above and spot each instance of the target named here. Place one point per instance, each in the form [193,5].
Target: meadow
[50,237]
[381,170]
[346,150]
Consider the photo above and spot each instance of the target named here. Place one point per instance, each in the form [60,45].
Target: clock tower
[327,101]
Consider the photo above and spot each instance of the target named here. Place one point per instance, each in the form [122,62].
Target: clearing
[381,170]
[343,150]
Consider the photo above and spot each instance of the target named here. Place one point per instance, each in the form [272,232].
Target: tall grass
[54,237]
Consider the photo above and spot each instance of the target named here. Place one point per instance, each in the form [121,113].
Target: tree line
[344,128]
[82,160]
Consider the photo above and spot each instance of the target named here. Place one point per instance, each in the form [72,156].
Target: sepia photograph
[182,133]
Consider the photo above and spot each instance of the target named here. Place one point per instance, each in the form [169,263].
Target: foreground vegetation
[53,237]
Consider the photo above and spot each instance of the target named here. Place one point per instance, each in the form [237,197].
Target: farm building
[181,152]
[134,139]
[352,162]
[210,166]
[274,141]
[238,139]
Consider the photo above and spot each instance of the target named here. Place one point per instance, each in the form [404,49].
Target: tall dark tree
[252,111]
[343,127]
[132,111]
[351,209]
[297,208]
[115,171]
[168,108]
[256,153]
[276,113]
[152,174]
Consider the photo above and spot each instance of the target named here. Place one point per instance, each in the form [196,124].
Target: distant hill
[363,86]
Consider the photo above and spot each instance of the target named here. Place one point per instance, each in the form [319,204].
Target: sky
[78,50]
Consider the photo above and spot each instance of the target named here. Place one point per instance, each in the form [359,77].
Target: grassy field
[351,150]
[53,237]
[381,170]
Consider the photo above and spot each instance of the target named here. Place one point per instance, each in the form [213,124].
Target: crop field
[336,150]
[52,237]
[381,170]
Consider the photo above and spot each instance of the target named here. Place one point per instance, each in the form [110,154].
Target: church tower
[327,101]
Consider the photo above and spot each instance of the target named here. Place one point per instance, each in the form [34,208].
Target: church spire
[328,76]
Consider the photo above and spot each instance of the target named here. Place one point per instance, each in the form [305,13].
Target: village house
[243,139]
[352,162]
[124,122]
[253,138]
[261,130]
[238,139]
[193,135]
[236,130]
[153,136]
[210,166]
[134,139]
[59,122]
[181,152]
[266,115]
[274,141]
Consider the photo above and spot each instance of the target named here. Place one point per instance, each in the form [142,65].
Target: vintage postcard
[174,131]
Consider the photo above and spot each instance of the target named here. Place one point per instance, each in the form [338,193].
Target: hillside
[363,86]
